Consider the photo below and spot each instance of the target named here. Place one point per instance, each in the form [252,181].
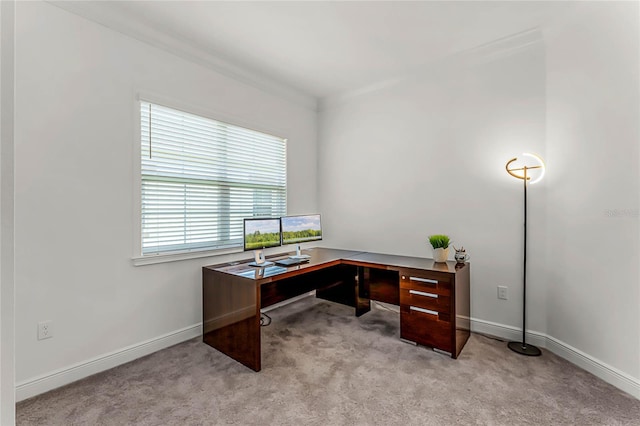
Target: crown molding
[488,52]
[101,13]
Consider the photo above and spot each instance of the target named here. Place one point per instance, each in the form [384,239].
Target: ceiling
[320,49]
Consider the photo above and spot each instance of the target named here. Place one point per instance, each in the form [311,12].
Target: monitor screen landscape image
[300,229]
[261,233]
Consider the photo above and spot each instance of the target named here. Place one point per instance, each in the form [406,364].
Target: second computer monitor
[300,229]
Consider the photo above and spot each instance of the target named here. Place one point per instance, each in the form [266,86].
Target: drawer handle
[423,280]
[422,293]
[424,311]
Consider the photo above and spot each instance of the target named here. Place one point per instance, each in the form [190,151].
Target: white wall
[426,155]
[7,287]
[75,150]
[593,140]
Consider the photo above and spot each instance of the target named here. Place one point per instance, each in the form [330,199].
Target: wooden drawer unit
[428,314]
[425,328]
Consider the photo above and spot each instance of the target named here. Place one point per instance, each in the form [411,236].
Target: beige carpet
[324,366]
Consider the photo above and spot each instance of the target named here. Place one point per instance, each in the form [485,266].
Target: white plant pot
[440,254]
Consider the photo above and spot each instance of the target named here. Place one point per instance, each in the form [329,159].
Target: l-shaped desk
[434,297]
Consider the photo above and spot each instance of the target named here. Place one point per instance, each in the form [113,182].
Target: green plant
[439,241]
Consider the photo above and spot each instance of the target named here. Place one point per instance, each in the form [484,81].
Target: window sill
[152,259]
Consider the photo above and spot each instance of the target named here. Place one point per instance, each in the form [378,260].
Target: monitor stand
[299,254]
[260,259]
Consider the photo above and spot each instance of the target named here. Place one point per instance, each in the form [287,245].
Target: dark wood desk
[433,297]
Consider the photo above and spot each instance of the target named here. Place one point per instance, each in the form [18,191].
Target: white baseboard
[609,374]
[49,381]
[507,332]
[600,369]
[64,376]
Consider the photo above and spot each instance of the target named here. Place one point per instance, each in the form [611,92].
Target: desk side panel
[462,306]
[231,316]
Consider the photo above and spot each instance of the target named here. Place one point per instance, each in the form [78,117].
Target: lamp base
[524,349]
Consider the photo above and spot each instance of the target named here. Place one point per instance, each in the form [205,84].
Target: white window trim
[151,259]
[138,258]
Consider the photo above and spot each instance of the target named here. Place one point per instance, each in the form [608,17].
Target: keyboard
[291,261]
[302,256]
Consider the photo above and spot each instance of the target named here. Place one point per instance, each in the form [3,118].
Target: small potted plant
[440,244]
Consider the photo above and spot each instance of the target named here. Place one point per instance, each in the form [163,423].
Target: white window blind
[202,177]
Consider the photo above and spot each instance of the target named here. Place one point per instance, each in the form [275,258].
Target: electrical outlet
[502,292]
[45,330]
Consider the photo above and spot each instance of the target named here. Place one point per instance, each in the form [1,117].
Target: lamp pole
[522,347]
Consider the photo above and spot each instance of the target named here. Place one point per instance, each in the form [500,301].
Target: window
[201,177]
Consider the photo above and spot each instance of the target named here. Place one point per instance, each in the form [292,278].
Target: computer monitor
[300,229]
[259,234]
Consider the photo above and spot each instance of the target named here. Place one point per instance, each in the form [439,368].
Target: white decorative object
[440,254]
[460,255]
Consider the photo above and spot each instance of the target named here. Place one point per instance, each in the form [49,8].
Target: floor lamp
[522,172]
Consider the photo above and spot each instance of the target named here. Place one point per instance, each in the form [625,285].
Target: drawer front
[427,300]
[425,282]
[425,328]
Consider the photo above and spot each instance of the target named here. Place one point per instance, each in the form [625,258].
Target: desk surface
[392,260]
[324,257]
